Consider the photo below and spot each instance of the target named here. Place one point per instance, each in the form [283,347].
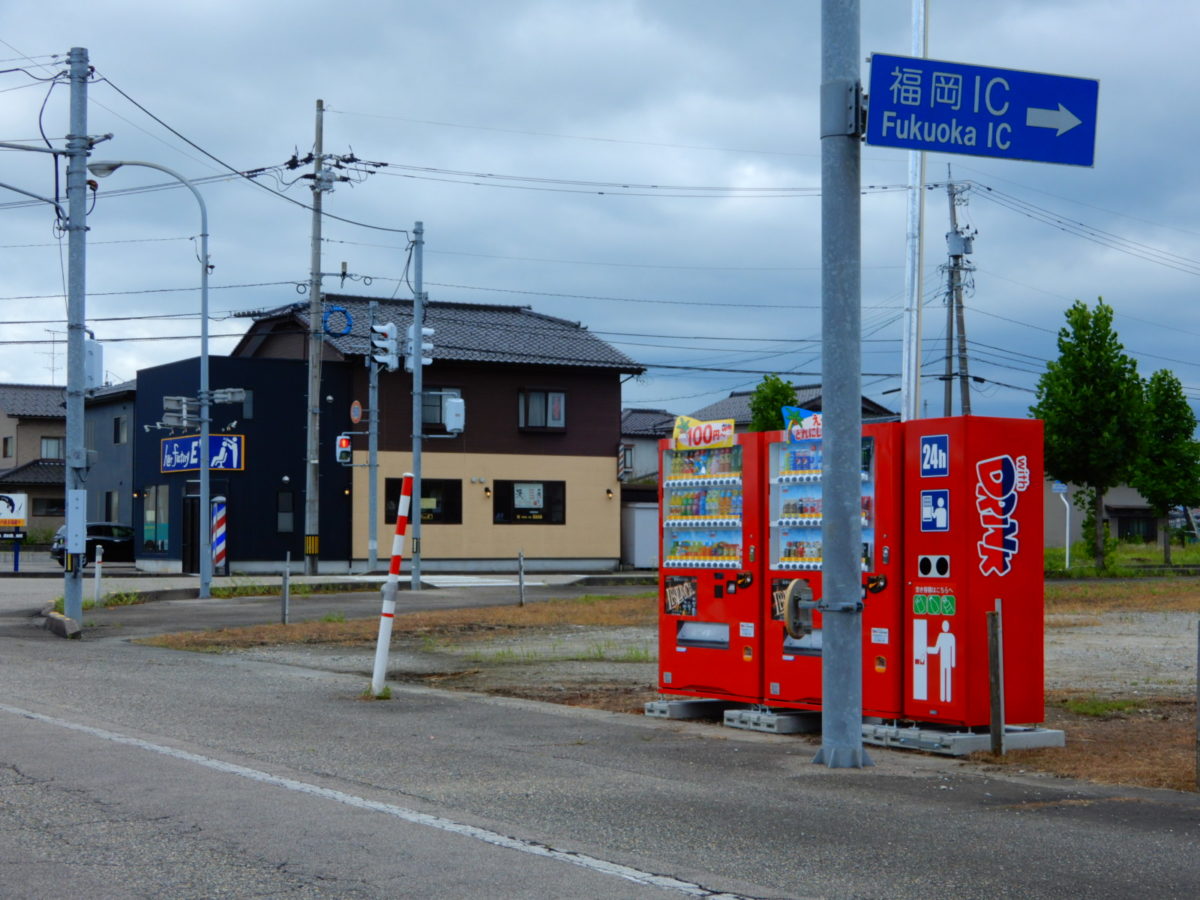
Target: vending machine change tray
[714,635]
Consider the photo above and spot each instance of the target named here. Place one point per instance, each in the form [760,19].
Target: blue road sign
[949,107]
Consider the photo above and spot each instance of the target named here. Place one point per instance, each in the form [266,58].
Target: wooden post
[996,677]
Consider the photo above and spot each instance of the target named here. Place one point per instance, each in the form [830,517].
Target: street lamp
[102,169]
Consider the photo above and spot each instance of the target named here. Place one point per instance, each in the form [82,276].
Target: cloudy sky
[649,168]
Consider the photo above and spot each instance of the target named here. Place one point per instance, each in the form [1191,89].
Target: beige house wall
[593,518]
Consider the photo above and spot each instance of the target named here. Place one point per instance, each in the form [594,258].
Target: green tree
[1168,473]
[1090,400]
[767,401]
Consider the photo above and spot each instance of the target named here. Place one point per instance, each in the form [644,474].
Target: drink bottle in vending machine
[709,587]
[973,543]
[792,642]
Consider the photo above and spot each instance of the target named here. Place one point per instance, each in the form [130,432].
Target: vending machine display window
[796,505]
[702,508]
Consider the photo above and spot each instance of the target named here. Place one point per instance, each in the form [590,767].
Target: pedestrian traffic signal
[343,452]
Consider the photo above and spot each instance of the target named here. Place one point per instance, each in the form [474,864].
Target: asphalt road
[129,771]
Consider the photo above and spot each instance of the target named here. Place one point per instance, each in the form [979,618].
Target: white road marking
[534,848]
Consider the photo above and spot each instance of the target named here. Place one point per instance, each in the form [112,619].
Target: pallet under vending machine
[792,670]
[710,609]
[974,540]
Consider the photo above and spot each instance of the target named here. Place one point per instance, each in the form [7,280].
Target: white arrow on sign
[1061,119]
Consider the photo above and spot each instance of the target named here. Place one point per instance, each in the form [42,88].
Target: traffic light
[179,412]
[412,349]
[343,452]
[383,345]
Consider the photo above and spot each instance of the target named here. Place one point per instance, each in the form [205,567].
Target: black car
[116,539]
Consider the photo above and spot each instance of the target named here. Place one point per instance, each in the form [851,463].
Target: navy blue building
[263,486]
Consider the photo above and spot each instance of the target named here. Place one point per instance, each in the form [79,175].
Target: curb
[62,626]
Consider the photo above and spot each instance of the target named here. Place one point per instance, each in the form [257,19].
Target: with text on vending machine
[792,645]
[973,543]
[709,586]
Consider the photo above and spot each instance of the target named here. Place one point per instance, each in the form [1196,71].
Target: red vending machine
[710,610]
[973,543]
[792,662]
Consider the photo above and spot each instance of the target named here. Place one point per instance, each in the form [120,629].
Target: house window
[154,518]
[8,447]
[529,502]
[53,448]
[112,506]
[285,512]
[431,404]
[542,409]
[624,462]
[49,506]
[120,429]
[441,501]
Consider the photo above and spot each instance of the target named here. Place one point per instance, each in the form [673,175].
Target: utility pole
[418,396]
[959,244]
[78,146]
[312,506]
[841,125]
[372,449]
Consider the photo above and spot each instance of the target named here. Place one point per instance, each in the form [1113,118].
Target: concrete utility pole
[372,448]
[78,146]
[841,386]
[959,245]
[418,391]
[312,469]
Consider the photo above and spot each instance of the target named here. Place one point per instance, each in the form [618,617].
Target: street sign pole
[841,386]
[950,107]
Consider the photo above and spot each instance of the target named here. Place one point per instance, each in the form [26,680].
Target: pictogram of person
[946,648]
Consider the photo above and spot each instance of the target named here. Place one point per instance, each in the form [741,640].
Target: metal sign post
[841,381]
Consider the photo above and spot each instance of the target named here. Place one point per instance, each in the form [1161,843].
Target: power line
[573,137]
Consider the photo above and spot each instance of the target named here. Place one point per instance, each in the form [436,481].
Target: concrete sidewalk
[27,592]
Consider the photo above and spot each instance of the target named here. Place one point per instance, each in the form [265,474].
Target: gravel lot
[1126,654]
[1122,653]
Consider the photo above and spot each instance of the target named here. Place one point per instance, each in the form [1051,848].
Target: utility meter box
[454,414]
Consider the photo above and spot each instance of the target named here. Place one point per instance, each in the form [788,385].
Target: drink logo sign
[692,434]
[1001,480]
[935,455]
[801,424]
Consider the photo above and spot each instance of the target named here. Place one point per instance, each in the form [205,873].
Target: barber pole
[218,534]
[388,614]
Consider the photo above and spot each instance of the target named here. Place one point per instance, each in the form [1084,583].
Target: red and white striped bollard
[388,614]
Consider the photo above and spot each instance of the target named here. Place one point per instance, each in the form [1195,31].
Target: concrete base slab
[773,722]
[960,743]
[686,709]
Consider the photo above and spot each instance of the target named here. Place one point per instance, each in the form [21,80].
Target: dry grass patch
[1148,595]
[588,611]
[1057,620]
[1144,741]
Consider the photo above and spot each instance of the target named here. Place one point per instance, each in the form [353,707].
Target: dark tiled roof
[737,406]
[33,401]
[647,422]
[111,391]
[468,332]
[40,471]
